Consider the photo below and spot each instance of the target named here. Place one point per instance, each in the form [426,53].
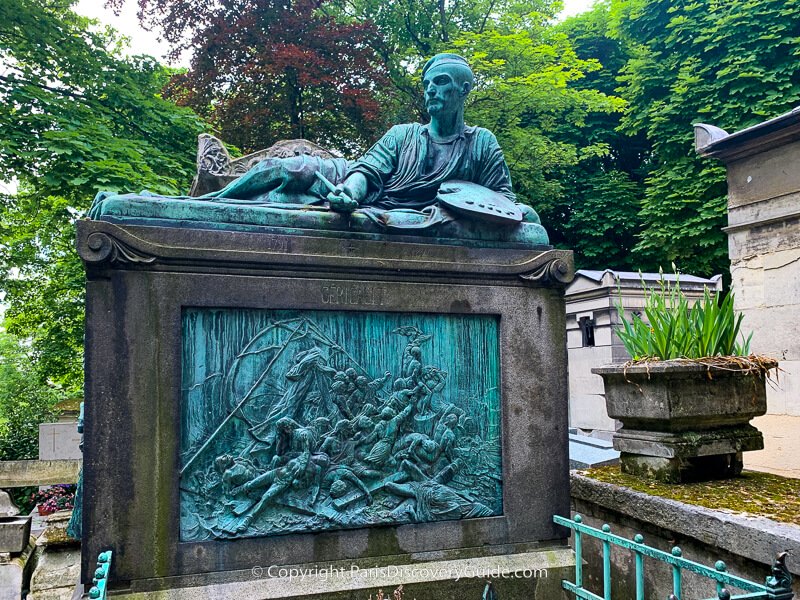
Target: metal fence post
[779,582]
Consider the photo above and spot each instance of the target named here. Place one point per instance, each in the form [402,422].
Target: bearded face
[444,91]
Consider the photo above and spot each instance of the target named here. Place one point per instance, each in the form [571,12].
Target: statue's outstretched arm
[349,194]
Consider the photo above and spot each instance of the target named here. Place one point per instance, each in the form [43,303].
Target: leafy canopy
[524,92]
[24,402]
[731,63]
[602,194]
[75,118]
[264,71]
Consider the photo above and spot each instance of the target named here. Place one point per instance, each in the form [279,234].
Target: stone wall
[764,249]
[747,545]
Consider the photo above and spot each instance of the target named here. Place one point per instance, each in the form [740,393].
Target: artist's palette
[475,201]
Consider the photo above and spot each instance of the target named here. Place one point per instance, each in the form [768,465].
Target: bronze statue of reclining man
[415,177]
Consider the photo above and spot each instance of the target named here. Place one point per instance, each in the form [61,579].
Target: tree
[24,402]
[526,75]
[604,191]
[731,63]
[414,30]
[75,118]
[263,71]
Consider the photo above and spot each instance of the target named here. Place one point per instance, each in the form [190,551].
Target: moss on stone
[753,493]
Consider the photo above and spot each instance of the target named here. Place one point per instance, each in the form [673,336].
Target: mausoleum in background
[763,165]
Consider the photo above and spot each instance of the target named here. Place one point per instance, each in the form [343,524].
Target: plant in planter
[54,498]
[686,398]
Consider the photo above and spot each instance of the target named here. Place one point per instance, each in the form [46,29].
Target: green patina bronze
[443,179]
[302,421]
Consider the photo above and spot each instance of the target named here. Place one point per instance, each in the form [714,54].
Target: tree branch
[486,16]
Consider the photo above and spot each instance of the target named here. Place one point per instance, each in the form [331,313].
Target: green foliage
[414,30]
[24,402]
[602,193]
[75,118]
[523,94]
[602,222]
[671,328]
[730,63]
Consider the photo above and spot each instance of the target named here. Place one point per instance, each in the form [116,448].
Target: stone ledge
[103,245]
[436,580]
[24,473]
[756,538]
[15,572]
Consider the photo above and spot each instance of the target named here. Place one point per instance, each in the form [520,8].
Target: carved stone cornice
[558,271]
[714,142]
[99,247]
[104,245]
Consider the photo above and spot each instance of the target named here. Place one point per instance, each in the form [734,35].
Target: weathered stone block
[57,573]
[772,331]
[783,393]
[15,570]
[681,470]
[764,175]
[674,397]
[581,362]
[535,575]
[14,533]
[7,507]
[746,544]
[23,473]
[59,441]
[144,283]
[588,411]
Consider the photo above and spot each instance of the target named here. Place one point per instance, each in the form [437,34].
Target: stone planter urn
[684,421]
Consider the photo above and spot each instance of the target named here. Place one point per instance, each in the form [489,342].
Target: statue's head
[222,463]
[338,489]
[286,424]
[446,80]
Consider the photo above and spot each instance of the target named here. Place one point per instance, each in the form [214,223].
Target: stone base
[688,455]
[682,470]
[533,575]
[688,444]
[15,573]
[184,271]
[57,559]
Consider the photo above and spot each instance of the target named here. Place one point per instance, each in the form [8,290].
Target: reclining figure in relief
[442,179]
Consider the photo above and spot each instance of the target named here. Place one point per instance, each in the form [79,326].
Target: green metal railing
[778,585]
[100,580]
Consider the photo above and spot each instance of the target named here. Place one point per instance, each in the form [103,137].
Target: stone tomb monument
[272,387]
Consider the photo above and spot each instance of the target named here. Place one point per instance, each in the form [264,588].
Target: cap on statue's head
[454,63]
